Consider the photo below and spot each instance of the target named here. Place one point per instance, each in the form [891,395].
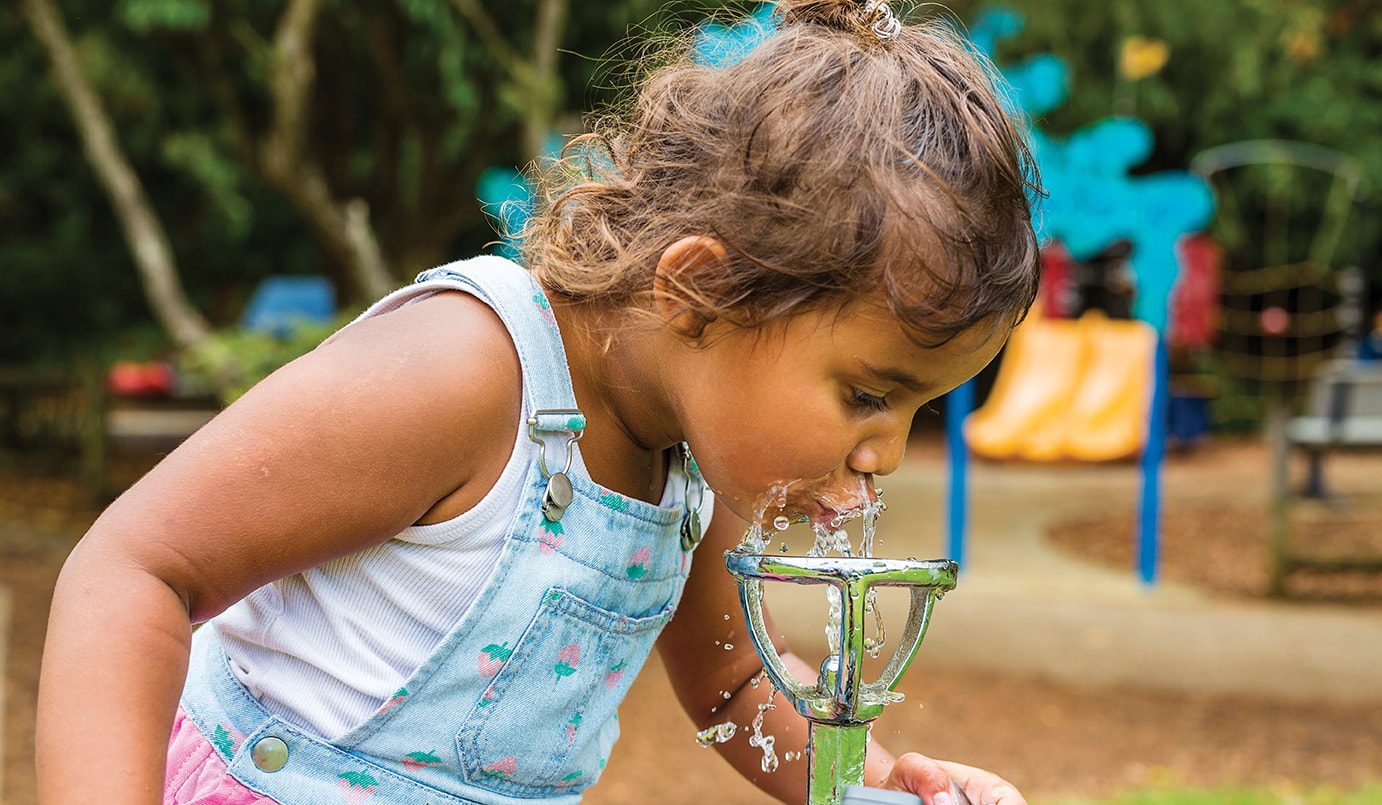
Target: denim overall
[518,702]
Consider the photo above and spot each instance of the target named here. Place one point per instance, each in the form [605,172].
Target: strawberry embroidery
[398,696]
[615,501]
[226,739]
[356,786]
[550,539]
[504,767]
[417,760]
[567,660]
[487,696]
[639,563]
[615,674]
[493,657]
[572,727]
[570,778]
[545,308]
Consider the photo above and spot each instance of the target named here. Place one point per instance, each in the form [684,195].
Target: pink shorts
[197,774]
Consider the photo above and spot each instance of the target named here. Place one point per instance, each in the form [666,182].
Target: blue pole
[1149,521]
[958,404]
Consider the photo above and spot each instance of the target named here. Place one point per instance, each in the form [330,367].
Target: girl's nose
[880,454]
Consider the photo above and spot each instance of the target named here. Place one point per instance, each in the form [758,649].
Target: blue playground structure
[1093,201]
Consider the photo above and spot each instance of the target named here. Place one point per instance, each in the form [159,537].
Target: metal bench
[1343,411]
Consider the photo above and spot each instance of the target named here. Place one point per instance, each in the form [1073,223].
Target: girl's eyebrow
[900,377]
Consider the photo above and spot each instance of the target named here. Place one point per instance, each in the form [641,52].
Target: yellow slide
[1068,390]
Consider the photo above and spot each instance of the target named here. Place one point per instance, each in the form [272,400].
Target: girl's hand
[940,782]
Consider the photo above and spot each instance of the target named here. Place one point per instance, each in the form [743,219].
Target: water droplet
[726,616]
[729,647]
[782,548]
[717,734]
[765,742]
[724,693]
[781,522]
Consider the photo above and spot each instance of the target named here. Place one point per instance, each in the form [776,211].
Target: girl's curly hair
[830,162]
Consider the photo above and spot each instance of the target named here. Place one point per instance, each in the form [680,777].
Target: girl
[430,556]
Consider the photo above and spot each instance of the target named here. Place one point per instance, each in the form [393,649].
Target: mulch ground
[1053,740]
[1224,550]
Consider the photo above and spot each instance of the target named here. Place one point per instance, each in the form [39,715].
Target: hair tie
[884,25]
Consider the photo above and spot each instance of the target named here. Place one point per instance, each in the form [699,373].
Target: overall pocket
[546,723]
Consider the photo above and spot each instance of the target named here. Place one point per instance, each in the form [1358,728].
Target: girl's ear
[684,310]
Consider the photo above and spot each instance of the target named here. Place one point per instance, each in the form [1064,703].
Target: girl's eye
[862,399]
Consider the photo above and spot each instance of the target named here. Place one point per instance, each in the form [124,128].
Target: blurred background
[194,192]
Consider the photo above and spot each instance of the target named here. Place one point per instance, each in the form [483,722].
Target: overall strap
[520,302]
[523,307]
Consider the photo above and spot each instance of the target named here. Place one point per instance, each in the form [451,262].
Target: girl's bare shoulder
[339,450]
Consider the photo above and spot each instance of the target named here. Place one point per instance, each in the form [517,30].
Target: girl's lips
[821,506]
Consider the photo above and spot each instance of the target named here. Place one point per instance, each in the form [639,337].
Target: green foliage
[1238,70]
[234,359]
[206,162]
[408,108]
[145,16]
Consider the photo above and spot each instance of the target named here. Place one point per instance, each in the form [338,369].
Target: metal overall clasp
[559,493]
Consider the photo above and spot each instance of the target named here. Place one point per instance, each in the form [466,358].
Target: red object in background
[147,379]
[1057,277]
[1274,320]
[1194,304]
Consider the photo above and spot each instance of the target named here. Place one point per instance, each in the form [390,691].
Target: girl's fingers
[982,787]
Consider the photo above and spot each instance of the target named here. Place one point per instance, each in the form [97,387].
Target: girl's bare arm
[404,417]
[702,671]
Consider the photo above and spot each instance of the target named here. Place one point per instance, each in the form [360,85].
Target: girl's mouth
[796,502]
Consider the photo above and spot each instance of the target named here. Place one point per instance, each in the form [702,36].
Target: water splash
[874,645]
[765,742]
[832,620]
[754,540]
[831,537]
[718,734]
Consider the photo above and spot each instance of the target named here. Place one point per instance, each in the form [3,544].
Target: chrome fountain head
[841,705]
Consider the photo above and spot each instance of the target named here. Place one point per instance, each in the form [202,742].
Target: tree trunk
[537,76]
[148,242]
[343,225]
